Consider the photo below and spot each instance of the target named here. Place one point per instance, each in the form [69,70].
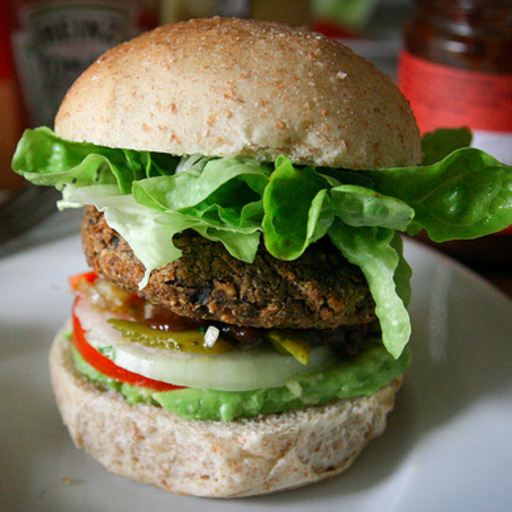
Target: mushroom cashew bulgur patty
[320,290]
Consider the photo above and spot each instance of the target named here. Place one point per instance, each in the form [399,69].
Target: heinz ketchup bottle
[55,40]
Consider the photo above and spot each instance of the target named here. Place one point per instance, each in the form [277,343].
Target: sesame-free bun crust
[207,458]
[239,88]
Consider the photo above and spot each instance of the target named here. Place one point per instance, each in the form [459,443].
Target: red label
[441,96]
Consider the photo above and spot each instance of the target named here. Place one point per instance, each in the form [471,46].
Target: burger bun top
[239,88]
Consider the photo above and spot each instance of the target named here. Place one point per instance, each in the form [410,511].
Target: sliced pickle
[182,341]
[290,343]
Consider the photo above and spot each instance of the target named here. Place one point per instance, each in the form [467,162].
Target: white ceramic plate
[448,446]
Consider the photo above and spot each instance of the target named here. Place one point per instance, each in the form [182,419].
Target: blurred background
[451,58]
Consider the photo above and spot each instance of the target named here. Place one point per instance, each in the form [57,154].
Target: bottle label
[442,96]
[58,39]
[450,97]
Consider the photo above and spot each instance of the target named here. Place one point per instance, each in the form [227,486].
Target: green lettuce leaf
[360,206]
[440,143]
[189,188]
[45,159]
[226,192]
[150,232]
[457,192]
[466,195]
[297,209]
[403,272]
[374,250]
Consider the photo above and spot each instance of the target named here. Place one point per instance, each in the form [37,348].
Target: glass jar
[456,69]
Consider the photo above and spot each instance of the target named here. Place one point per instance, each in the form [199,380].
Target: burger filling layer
[152,201]
[196,371]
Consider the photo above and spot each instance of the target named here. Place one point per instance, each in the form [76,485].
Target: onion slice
[233,371]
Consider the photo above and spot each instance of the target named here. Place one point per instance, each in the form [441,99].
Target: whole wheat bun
[238,88]
[214,459]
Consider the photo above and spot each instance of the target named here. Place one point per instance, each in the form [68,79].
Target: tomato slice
[108,367]
[88,277]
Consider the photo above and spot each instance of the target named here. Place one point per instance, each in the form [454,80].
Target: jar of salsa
[456,69]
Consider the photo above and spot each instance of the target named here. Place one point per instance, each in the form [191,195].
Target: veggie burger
[244,326]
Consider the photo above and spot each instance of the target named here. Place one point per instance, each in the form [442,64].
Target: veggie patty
[318,290]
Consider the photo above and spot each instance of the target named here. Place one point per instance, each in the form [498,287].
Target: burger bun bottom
[246,457]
